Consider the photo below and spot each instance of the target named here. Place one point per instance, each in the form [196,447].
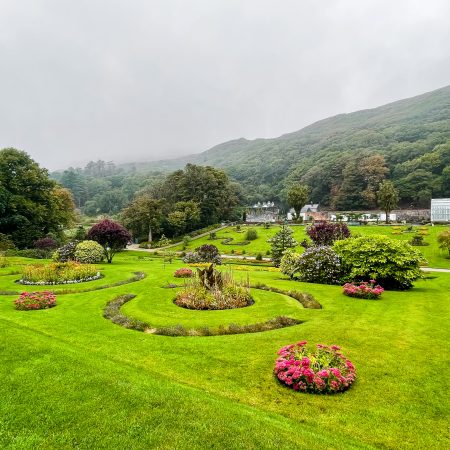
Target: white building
[440,210]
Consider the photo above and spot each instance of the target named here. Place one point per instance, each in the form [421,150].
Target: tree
[387,197]
[444,240]
[184,217]
[373,169]
[112,236]
[143,216]
[325,233]
[280,242]
[297,196]
[31,204]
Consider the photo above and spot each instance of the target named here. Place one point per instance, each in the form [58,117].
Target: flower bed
[184,272]
[325,370]
[35,300]
[367,290]
[59,273]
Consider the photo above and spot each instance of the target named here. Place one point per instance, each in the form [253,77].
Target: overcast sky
[148,79]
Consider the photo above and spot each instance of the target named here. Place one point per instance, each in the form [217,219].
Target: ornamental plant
[444,240]
[65,253]
[205,253]
[318,265]
[58,273]
[367,289]
[112,236]
[289,263]
[280,242]
[35,300]
[325,233]
[89,252]
[394,264]
[184,272]
[322,371]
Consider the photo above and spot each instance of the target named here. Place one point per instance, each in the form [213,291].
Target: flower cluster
[369,290]
[184,272]
[324,371]
[35,300]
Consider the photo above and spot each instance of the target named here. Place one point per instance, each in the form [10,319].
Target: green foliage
[280,242]
[31,205]
[251,234]
[65,253]
[289,263]
[297,197]
[443,240]
[317,265]
[89,252]
[393,264]
[387,198]
[5,242]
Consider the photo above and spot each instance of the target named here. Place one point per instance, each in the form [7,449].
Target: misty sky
[146,79]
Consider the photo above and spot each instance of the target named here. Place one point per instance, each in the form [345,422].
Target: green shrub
[3,260]
[317,265]
[251,234]
[444,240]
[259,257]
[394,264]
[65,253]
[143,244]
[289,263]
[89,252]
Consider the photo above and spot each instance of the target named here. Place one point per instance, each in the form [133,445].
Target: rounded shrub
[205,253]
[289,262]
[65,253]
[323,371]
[184,272]
[394,264]
[251,234]
[325,233]
[89,252]
[318,265]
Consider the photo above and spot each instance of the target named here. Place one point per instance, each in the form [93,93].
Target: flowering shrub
[318,265]
[368,290]
[89,252]
[65,253]
[58,273]
[325,233]
[325,371]
[214,290]
[184,272]
[289,262]
[35,300]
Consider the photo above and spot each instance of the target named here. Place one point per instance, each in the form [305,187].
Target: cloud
[155,79]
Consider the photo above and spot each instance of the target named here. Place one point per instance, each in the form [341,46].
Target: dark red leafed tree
[112,236]
[325,233]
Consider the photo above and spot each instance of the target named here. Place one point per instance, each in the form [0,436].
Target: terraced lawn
[72,379]
[435,256]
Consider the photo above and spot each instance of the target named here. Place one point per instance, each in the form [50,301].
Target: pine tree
[280,242]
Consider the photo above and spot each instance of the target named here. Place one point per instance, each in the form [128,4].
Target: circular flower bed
[59,273]
[35,300]
[325,370]
[368,290]
[184,272]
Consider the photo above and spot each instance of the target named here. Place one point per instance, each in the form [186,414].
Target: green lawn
[72,379]
[432,253]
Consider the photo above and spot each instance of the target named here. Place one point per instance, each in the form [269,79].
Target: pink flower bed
[369,290]
[35,300]
[325,370]
[184,272]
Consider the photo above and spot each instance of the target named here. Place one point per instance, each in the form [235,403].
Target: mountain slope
[413,135]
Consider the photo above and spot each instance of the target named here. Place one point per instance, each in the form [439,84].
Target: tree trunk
[150,237]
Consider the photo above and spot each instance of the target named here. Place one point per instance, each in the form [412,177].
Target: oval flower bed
[59,273]
[367,290]
[325,370]
[35,300]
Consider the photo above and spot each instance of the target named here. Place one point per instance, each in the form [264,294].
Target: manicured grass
[432,253]
[70,378]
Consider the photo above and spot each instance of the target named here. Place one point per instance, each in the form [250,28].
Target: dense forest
[342,159]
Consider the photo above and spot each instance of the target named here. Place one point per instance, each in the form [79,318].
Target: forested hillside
[342,159]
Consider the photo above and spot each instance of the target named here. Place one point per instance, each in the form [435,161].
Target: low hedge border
[306,299]
[112,312]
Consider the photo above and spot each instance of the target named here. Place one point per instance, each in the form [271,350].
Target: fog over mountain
[147,80]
